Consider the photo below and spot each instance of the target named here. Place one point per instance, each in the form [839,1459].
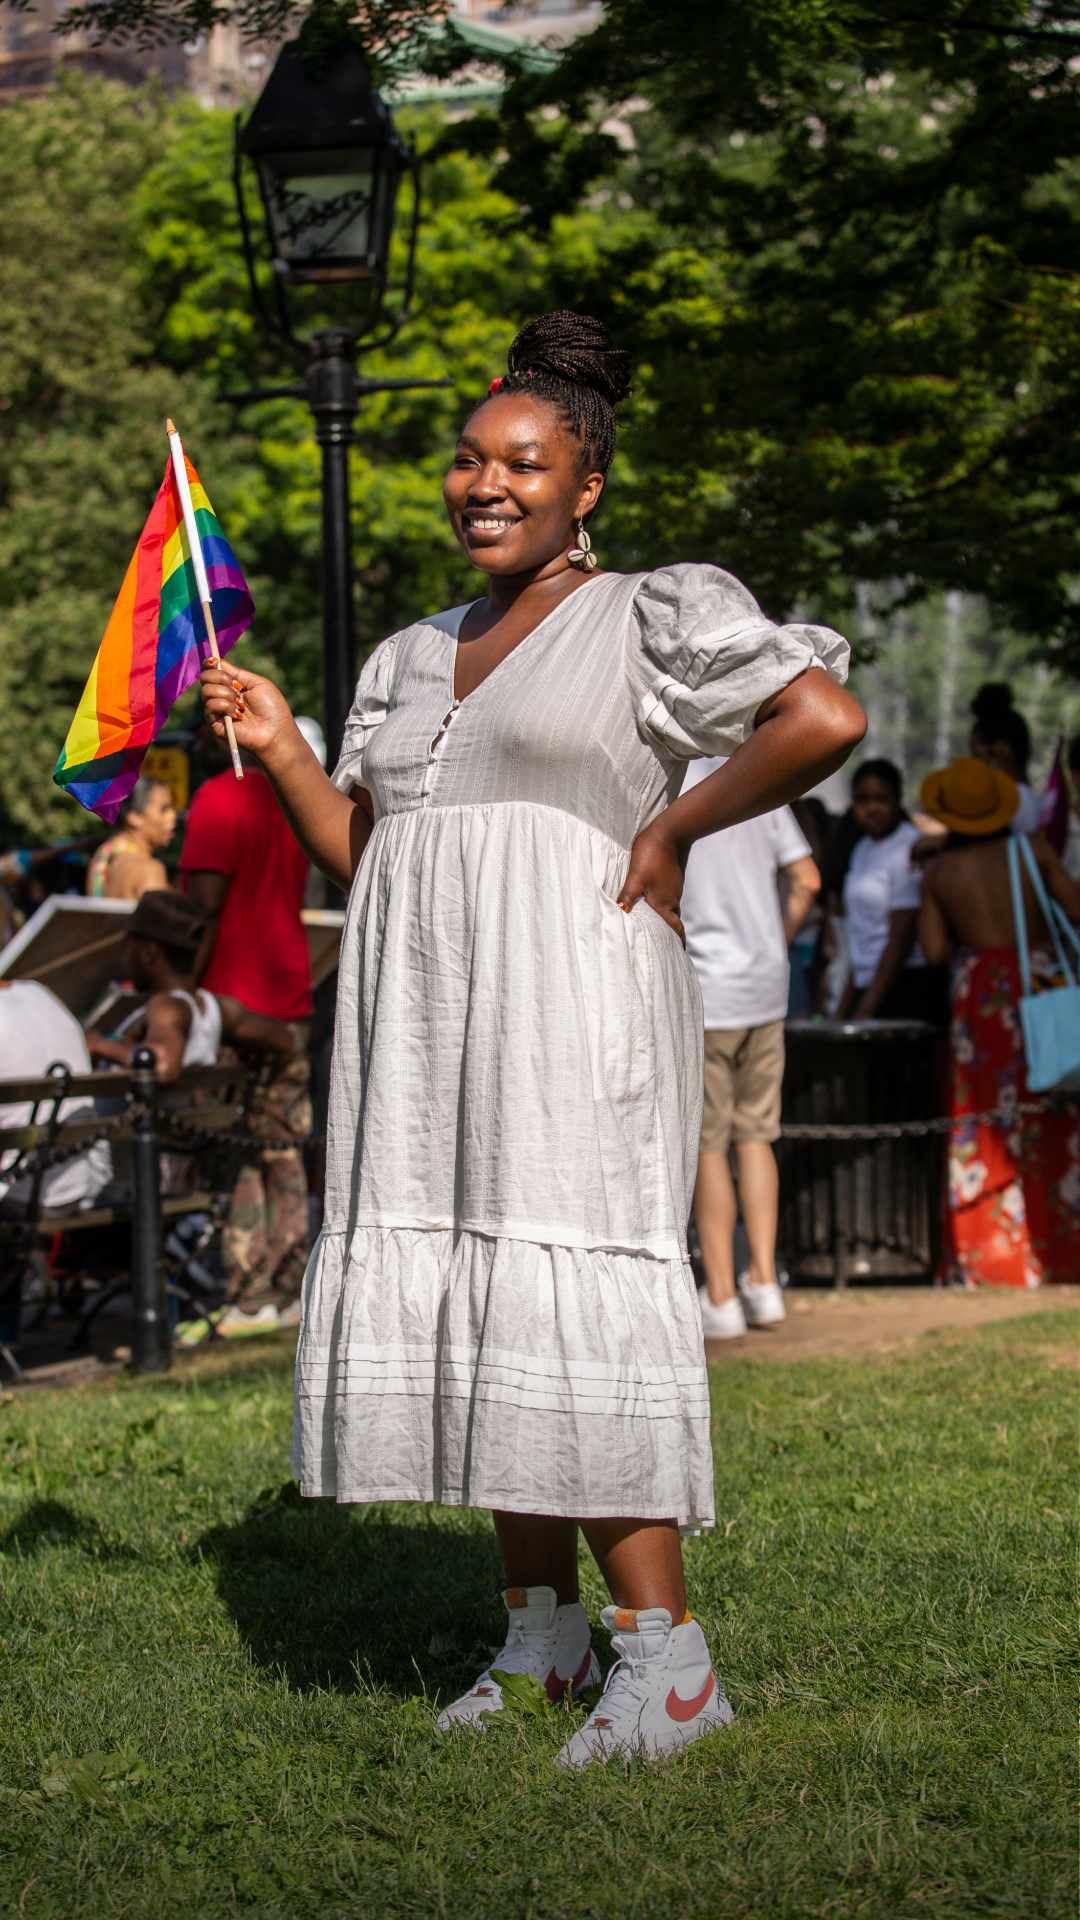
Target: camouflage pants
[265,1242]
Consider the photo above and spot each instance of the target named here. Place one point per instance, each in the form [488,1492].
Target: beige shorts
[744,1068]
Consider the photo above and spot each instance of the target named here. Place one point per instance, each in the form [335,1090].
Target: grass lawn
[216,1697]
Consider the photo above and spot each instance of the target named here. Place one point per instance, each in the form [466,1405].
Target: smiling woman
[539,445]
[500,1310]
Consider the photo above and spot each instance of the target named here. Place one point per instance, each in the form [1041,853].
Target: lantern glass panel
[320,207]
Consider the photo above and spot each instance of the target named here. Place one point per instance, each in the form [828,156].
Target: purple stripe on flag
[105,798]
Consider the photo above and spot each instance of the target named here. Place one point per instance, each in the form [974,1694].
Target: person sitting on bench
[180,1024]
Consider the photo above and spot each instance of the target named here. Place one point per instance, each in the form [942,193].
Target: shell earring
[582,556]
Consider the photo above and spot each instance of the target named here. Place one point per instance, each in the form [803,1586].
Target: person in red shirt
[245,871]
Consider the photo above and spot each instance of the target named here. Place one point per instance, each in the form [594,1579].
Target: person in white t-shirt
[748,891]
[889,978]
[37,1032]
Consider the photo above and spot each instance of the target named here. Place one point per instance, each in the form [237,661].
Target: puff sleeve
[703,658]
[370,706]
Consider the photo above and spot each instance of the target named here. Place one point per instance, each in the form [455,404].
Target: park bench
[203,1120]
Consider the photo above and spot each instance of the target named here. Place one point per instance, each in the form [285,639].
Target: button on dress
[499,1311]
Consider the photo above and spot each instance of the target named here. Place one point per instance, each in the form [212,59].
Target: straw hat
[970,797]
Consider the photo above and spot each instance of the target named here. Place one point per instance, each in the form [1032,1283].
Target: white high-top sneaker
[550,1642]
[660,1695]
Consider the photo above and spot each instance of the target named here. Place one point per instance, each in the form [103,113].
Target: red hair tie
[496,383]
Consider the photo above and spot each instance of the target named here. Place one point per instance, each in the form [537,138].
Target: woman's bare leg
[539,1550]
[662,1691]
[759,1198]
[715,1212]
[551,1643]
[641,1560]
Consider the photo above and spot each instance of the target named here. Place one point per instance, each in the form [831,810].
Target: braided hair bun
[570,360]
[573,347]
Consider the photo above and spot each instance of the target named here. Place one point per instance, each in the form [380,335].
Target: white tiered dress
[499,1311]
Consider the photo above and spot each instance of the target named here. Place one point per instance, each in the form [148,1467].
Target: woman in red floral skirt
[1013,1206]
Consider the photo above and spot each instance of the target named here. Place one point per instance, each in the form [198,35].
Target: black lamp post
[329,163]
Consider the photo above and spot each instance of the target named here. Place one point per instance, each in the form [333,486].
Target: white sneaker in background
[725,1322]
[229,1323]
[660,1695]
[763,1306]
[552,1643]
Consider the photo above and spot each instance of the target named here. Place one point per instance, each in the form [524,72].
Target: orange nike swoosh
[677,1709]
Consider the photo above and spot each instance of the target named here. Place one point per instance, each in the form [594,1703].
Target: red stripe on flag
[142,678]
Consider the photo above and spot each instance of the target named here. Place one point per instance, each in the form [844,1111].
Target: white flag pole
[202,584]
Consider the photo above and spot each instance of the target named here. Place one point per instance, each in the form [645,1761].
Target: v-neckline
[455,701]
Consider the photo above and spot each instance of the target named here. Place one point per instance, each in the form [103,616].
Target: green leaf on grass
[94,1778]
[522,1691]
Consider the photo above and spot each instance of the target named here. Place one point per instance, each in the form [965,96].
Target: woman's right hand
[259,712]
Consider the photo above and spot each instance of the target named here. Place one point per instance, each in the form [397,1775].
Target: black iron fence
[862,1153]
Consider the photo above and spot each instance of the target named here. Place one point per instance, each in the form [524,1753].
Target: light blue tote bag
[1050,1019]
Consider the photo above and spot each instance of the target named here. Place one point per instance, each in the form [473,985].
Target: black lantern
[329,162]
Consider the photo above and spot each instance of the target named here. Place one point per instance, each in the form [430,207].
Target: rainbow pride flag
[152,649]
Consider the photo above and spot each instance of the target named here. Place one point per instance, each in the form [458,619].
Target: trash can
[859,1204]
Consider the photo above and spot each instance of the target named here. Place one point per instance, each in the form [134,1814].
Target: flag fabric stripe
[152,649]
[179,589]
[148,589]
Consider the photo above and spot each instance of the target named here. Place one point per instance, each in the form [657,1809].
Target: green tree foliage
[887,386]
